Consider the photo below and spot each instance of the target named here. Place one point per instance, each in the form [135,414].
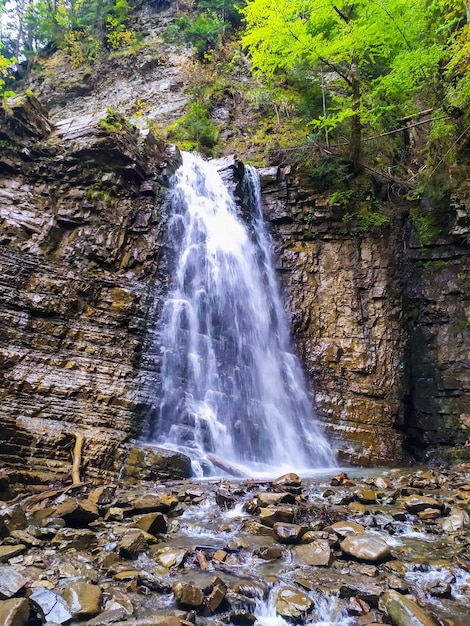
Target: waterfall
[230,383]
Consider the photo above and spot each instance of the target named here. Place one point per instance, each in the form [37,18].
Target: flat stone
[51,606]
[403,611]
[11,581]
[366,496]
[288,533]
[315,553]
[270,515]
[83,598]
[291,602]
[216,594]
[426,514]
[456,521]
[75,538]
[9,552]
[366,547]
[168,557]
[154,503]
[343,529]
[416,503]
[269,498]
[14,612]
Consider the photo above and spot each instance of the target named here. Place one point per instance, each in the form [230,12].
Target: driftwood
[230,469]
[77,459]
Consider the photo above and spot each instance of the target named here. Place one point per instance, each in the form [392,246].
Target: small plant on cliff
[113,122]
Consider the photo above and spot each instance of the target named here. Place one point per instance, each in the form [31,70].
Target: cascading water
[230,384]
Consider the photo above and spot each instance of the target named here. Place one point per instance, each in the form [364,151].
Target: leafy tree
[376,54]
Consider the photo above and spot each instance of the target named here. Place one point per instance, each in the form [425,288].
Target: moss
[113,122]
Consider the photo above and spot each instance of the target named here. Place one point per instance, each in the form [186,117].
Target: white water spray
[230,384]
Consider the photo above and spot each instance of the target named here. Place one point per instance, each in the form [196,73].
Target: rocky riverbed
[391,547]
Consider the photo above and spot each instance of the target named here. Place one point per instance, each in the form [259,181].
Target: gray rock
[51,606]
[11,581]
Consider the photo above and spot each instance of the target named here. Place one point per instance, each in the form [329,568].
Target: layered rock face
[381,322]
[79,254]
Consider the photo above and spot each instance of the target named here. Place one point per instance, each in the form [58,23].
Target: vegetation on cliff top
[382,84]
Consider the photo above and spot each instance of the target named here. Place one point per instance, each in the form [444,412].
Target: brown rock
[153,523]
[83,599]
[288,533]
[14,612]
[270,515]
[132,544]
[416,503]
[292,603]
[9,552]
[188,594]
[403,611]
[366,547]
[315,553]
[343,529]
[77,513]
[154,503]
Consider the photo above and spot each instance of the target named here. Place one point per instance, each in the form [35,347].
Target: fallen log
[227,467]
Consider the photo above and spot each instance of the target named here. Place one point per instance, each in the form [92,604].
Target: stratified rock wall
[381,322]
[79,232]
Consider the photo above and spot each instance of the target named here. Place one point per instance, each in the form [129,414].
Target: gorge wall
[381,322]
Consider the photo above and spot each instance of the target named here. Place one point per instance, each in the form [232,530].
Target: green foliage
[367,217]
[195,129]
[374,64]
[113,122]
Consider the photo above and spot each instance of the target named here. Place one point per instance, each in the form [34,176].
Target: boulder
[51,606]
[188,594]
[291,603]
[343,529]
[288,533]
[403,611]
[315,553]
[416,503]
[9,552]
[153,523]
[154,503]
[14,612]
[132,544]
[83,599]
[152,463]
[77,513]
[11,581]
[366,547]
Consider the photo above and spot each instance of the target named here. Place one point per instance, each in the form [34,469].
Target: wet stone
[271,554]
[84,599]
[291,602]
[242,617]
[457,520]
[288,533]
[315,553]
[288,482]
[403,611]
[268,498]
[75,538]
[366,547]
[188,594]
[14,612]
[416,503]
[251,589]
[428,514]
[153,503]
[168,557]
[51,606]
[366,496]
[11,581]
[269,516]
[216,594]
[343,529]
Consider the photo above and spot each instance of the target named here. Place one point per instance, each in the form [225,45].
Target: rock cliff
[381,320]
[79,252]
